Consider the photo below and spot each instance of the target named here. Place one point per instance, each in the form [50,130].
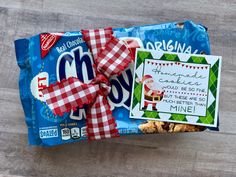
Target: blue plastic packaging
[70,57]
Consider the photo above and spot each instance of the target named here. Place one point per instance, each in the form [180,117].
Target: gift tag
[176,87]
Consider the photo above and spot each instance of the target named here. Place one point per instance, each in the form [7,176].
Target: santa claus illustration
[153,93]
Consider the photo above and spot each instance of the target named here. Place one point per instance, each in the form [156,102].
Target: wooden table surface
[183,154]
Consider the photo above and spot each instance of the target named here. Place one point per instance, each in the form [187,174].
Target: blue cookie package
[51,57]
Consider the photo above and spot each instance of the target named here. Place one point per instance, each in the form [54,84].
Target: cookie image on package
[152,126]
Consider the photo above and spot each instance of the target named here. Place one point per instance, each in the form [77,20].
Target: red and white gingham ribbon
[111,57]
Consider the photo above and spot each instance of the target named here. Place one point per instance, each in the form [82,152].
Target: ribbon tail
[100,122]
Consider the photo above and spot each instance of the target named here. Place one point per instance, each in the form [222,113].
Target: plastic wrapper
[51,57]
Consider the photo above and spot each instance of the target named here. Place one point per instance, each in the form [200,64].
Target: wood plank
[183,154]
[153,155]
[27,22]
[186,153]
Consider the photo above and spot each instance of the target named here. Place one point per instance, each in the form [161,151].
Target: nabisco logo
[47,41]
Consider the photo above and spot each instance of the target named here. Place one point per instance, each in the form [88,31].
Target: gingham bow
[111,57]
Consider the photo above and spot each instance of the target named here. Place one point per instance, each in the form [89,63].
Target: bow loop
[69,94]
[96,39]
[114,58]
